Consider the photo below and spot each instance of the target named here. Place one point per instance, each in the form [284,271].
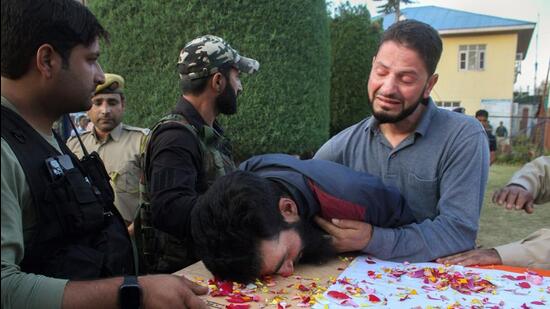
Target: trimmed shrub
[284,107]
[353,40]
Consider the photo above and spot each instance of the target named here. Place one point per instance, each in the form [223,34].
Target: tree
[284,107]
[392,6]
[354,40]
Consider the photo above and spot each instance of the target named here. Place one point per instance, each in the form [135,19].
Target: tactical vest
[79,233]
[160,252]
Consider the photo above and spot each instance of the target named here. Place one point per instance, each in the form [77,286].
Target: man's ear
[289,209]
[47,60]
[218,82]
[431,83]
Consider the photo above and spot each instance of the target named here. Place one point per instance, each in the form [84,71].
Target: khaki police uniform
[534,250]
[120,153]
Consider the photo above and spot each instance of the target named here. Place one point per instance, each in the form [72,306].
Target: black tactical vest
[160,252]
[79,232]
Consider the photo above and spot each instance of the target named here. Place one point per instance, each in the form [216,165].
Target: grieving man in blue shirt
[437,159]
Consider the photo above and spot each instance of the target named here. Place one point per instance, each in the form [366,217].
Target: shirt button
[393,156]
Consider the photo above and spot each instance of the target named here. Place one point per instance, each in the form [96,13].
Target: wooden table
[303,274]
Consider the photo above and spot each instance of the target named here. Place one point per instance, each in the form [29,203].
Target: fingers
[529,208]
[191,301]
[514,197]
[347,235]
[326,225]
[511,199]
[522,200]
[501,196]
[473,257]
[195,288]
[347,224]
[464,258]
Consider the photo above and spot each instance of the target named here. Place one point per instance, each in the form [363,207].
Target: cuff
[513,255]
[380,237]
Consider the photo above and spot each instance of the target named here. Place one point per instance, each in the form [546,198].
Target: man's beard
[317,246]
[226,102]
[384,117]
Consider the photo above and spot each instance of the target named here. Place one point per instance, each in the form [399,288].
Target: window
[471,57]
[448,104]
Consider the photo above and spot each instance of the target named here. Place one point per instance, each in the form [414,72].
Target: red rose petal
[373,298]
[338,295]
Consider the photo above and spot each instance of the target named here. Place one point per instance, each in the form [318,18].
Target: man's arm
[462,186]
[158,291]
[532,251]
[20,290]
[174,165]
[535,178]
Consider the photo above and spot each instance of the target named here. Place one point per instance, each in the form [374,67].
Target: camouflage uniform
[162,232]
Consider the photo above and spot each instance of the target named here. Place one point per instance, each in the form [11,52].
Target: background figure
[483,116]
[117,144]
[530,185]
[502,136]
[81,125]
[187,150]
[460,110]
[438,159]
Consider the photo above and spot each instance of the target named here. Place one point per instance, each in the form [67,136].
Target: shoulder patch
[82,134]
[137,129]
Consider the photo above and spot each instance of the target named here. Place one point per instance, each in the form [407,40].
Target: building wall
[495,82]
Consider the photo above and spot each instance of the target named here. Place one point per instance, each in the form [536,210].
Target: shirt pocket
[126,179]
[422,196]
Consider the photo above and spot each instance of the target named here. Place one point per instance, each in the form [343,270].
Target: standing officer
[187,151]
[117,144]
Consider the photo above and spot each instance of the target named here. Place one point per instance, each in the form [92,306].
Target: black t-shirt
[492,141]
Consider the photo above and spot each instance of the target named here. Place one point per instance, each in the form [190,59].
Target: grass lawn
[499,226]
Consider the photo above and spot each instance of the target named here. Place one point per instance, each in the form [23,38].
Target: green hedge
[284,107]
[354,40]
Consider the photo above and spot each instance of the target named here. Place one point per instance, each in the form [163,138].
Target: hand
[473,257]
[513,196]
[171,291]
[347,235]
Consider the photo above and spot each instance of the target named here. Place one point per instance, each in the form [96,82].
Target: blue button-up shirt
[441,169]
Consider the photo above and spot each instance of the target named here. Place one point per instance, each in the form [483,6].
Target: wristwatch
[129,293]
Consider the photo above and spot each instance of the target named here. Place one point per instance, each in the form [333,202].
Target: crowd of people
[105,219]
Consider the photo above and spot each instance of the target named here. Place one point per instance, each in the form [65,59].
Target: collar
[115,134]
[8,104]
[429,112]
[421,128]
[185,108]
[50,138]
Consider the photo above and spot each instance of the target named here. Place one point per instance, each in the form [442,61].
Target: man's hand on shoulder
[347,235]
[514,197]
[473,257]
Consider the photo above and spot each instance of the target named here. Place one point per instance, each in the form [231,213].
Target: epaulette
[132,128]
[82,134]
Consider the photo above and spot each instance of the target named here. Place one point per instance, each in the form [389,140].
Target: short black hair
[482,113]
[197,86]
[231,219]
[418,36]
[28,24]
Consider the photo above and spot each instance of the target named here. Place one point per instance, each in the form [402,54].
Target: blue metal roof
[449,19]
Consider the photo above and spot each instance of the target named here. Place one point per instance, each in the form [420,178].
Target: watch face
[130,296]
